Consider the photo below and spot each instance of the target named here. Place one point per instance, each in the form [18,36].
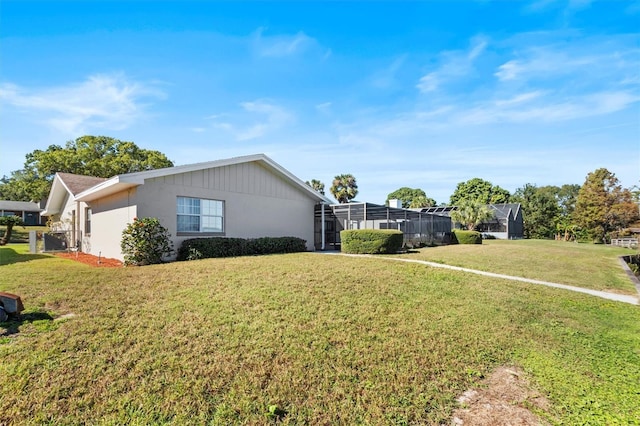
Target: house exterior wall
[70,220]
[257,203]
[110,216]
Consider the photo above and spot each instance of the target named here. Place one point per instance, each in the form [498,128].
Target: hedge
[370,241]
[204,248]
[468,237]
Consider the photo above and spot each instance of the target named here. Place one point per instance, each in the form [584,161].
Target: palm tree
[470,214]
[344,188]
[422,201]
[316,185]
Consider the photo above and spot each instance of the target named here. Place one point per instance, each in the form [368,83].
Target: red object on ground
[90,259]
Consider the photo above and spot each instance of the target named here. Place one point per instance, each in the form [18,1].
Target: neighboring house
[29,212]
[507,222]
[246,197]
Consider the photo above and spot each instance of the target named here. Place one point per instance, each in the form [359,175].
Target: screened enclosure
[418,227]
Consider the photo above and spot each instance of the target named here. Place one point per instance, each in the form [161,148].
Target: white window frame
[88,215]
[220,206]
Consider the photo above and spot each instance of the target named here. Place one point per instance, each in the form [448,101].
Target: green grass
[20,234]
[303,338]
[583,265]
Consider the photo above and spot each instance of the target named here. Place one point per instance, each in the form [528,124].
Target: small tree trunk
[7,235]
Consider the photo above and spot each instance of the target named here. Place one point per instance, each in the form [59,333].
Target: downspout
[322,226]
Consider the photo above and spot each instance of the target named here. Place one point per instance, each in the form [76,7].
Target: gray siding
[258,203]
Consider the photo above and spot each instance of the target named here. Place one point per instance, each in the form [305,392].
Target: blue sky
[420,94]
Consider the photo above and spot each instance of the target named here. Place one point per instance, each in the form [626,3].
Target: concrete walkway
[633,300]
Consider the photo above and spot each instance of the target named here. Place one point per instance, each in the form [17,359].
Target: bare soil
[504,398]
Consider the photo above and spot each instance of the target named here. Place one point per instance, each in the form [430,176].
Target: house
[247,197]
[28,211]
[507,222]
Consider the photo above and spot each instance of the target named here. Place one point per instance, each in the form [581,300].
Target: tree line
[596,210]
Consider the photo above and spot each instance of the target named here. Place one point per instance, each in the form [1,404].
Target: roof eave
[108,187]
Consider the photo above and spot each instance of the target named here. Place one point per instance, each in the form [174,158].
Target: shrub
[468,237]
[271,245]
[203,248]
[371,241]
[145,242]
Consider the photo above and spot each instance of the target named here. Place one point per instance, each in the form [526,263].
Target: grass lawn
[582,265]
[20,234]
[302,338]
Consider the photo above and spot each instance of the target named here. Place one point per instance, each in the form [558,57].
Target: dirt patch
[504,398]
[89,259]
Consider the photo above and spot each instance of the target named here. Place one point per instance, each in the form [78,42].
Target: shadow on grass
[9,256]
[12,326]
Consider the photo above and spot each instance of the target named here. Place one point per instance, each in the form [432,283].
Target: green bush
[271,245]
[204,248]
[371,241]
[468,237]
[145,242]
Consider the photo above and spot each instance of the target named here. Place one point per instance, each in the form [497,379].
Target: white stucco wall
[110,217]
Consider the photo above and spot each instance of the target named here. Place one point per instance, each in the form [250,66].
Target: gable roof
[83,189]
[65,184]
[121,182]
[75,184]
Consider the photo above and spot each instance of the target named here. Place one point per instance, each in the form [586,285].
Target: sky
[424,94]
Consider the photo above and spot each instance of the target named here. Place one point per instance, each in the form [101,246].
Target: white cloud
[453,65]
[509,70]
[518,99]
[551,110]
[109,102]
[281,45]
[593,61]
[429,82]
[273,116]
[386,77]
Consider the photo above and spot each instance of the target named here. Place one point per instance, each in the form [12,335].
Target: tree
[471,213]
[316,185]
[344,188]
[603,206]
[411,198]
[98,156]
[479,190]
[9,222]
[420,202]
[540,209]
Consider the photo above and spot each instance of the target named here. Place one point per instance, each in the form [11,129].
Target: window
[87,221]
[200,215]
